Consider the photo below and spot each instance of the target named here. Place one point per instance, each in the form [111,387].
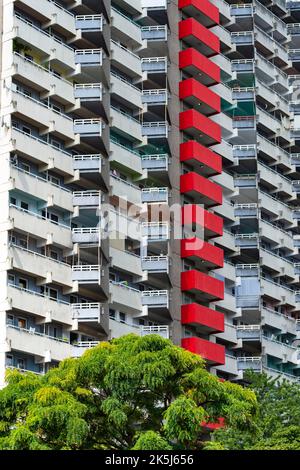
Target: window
[10,319]
[55,143]
[9,360]
[21,364]
[24,205]
[54,255]
[73,299]
[53,293]
[29,57]
[25,167]
[23,243]
[112,314]
[13,201]
[54,180]
[12,239]
[122,317]
[22,322]
[11,279]
[54,218]
[56,108]
[141,322]
[23,283]
[26,130]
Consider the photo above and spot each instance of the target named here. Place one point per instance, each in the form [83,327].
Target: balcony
[211,224]
[125,190]
[242,65]
[46,118]
[201,158]
[155,130]
[155,97]
[86,235]
[125,298]
[53,15]
[204,287]
[155,264]
[125,90]
[87,199]
[202,10]
[242,38]
[155,195]
[89,127]
[126,124]
[214,354]
[155,163]
[40,305]
[155,299]
[89,23]
[87,274]
[155,33]
[249,332]
[196,35]
[155,231]
[230,366]
[88,91]
[281,322]
[199,66]
[125,28]
[127,62]
[35,74]
[201,189]
[49,46]
[152,65]
[87,312]
[126,261]
[229,335]
[161,330]
[276,235]
[40,227]
[41,188]
[89,58]
[41,151]
[202,253]
[251,362]
[88,163]
[277,264]
[198,95]
[244,152]
[82,346]
[207,320]
[121,154]
[39,266]
[278,292]
[37,344]
[194,123]
[246,240]
[282,351]
[246,210]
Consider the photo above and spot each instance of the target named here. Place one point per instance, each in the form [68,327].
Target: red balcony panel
[201,158]
[213,353]
[201,189]
[204,318]
[200,127]
[198,36]
[203,10]
[212,224]
[193,62]
[197,95]
[204,287]
[213,426]
[208,255]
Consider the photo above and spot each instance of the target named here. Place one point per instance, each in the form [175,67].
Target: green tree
[133,392]
[276,425]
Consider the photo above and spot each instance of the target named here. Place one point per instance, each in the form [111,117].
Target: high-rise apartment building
[150,179]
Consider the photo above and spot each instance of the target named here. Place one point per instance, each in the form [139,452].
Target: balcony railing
[161,330]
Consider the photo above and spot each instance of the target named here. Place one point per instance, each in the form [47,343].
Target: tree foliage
[130,393]
[276,425]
